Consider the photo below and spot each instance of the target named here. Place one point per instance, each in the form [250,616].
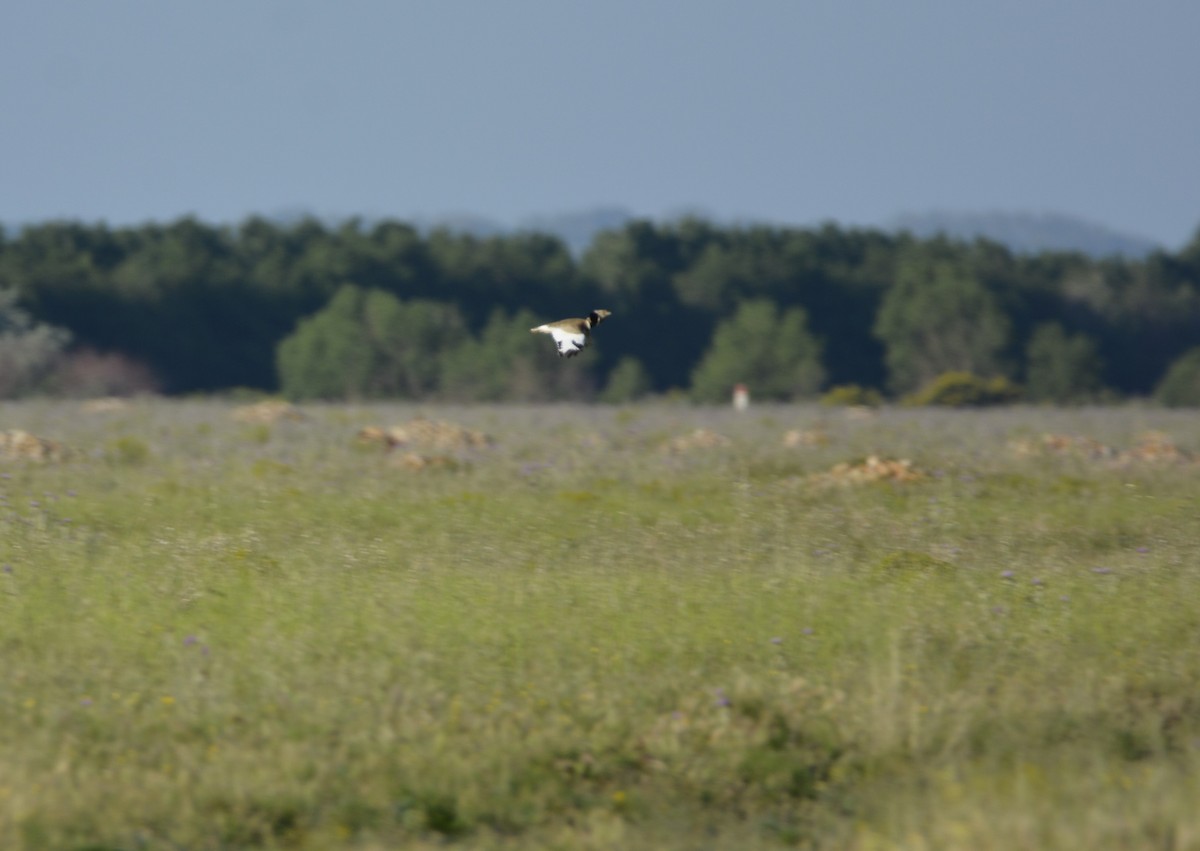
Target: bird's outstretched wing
[570,336]
[570,343]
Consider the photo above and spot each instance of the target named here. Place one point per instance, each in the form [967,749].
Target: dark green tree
[1180,387]
[368,343]
[410,341]
[771,352]
[328,356]
[632,273]
[205,307]
[523,271]
[936,318]
[1061,367]
[627,382]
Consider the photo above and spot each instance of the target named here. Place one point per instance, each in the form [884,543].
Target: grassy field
[218,634]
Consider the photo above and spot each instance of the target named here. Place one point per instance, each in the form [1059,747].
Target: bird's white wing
[570,343]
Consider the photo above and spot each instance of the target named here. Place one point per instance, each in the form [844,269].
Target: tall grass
[219,636]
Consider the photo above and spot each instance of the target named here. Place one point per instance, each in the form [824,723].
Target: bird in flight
[571,335]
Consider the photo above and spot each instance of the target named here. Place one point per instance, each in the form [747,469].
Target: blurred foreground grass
[217,634]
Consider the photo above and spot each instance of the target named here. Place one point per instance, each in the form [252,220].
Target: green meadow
[589,634]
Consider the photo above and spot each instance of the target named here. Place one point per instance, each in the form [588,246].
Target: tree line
[359,310]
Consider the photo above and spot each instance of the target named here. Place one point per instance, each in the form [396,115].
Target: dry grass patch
[700,439]
[872,469]
[1150,447]
[1156,447]
[267,412]
[414,462]
[105,405]
[428,434]
[16,444]
[799,438]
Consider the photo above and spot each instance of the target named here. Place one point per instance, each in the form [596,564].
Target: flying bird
[571,335]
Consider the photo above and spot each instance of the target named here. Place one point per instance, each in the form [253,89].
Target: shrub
[29,350]
[128,450]
[89,373]
[628,381]
[1180,387]
[965,390]
[852,395]
[910,565]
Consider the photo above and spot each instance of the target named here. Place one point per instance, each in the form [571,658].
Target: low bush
[964,390]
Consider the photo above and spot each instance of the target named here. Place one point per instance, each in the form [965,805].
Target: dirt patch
[428,434]
[1152,447]
[799,438]
[1078,445]
[388,437]
[21,445]
[1156,447]
[105,405]
[267,412]
[699,439]
[416,462]
[873,469]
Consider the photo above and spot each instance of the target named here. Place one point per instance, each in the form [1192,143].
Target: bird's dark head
[598,316]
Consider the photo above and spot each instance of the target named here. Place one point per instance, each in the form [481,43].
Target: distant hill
[1027,233]
[1024,233]
[479,226]
[578,229]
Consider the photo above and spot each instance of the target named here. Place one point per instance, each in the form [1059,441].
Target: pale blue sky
[786,111]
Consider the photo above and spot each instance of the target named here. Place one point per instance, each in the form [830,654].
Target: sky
[784,111]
